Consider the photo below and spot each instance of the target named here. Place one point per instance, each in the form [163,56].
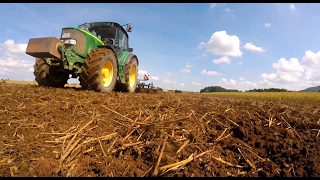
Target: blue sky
[185,46]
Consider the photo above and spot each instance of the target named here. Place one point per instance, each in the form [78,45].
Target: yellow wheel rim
[132,76]
[107,73]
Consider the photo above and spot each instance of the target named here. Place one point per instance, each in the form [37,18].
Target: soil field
[67,132]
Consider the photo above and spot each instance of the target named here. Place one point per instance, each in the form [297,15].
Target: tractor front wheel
[48,76]
[99,71]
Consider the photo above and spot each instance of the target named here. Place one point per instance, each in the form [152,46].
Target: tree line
[221,89]
[268,90]
[217,89]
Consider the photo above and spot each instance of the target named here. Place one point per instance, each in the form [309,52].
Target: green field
[291,96]
[35,83]
[294,96]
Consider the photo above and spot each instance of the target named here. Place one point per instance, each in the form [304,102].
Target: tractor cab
[110,33]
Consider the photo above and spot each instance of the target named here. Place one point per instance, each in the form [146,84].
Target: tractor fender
[123,60]
[129,57]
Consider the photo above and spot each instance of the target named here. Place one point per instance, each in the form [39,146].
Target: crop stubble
[66,132]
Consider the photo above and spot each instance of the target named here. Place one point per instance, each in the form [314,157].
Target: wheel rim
[132,76]
[107,73]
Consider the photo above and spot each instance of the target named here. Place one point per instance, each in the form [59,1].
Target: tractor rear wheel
[48,76]
[99,71]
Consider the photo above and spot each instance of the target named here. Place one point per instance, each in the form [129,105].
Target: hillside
[316,88]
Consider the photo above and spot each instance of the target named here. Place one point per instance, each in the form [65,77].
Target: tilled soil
[67,132]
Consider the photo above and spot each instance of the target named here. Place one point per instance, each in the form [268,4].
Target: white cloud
[287,71]
[182,84]
[227,10]
[185,70]
[240,62]
[155,78]
[141,72]
[169,74]
[284,65]
[222,44]
[247,85]
[12,49]
[5,71]
[231,81]
[188,65]
[292,7]
[311,59]
[289,74]
[251,47]
[311,64]
[30,69]
[232,84]
[224,59]
[269,77]
[15,63]
[212,5]
[13,60]
[210,73]
[196,83]
[267,24]
[166,80]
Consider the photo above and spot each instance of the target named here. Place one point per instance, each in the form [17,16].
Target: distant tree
[178,91]
[268,90]
[159,89]
[217,89]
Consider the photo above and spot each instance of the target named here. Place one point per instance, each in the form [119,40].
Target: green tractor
[97,53]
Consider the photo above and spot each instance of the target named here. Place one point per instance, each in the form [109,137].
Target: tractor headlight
[70,41]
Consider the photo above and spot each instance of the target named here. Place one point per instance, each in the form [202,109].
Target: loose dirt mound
[65,132]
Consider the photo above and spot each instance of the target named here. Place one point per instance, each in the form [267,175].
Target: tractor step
[46,47]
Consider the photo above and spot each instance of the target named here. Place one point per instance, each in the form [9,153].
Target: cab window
[123,40]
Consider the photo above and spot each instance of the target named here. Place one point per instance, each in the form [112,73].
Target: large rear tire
[48,76]
[99,71]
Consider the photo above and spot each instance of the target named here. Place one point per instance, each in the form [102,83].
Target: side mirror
[129,28]
[130,49]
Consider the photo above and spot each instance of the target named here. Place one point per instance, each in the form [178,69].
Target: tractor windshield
[104,30]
